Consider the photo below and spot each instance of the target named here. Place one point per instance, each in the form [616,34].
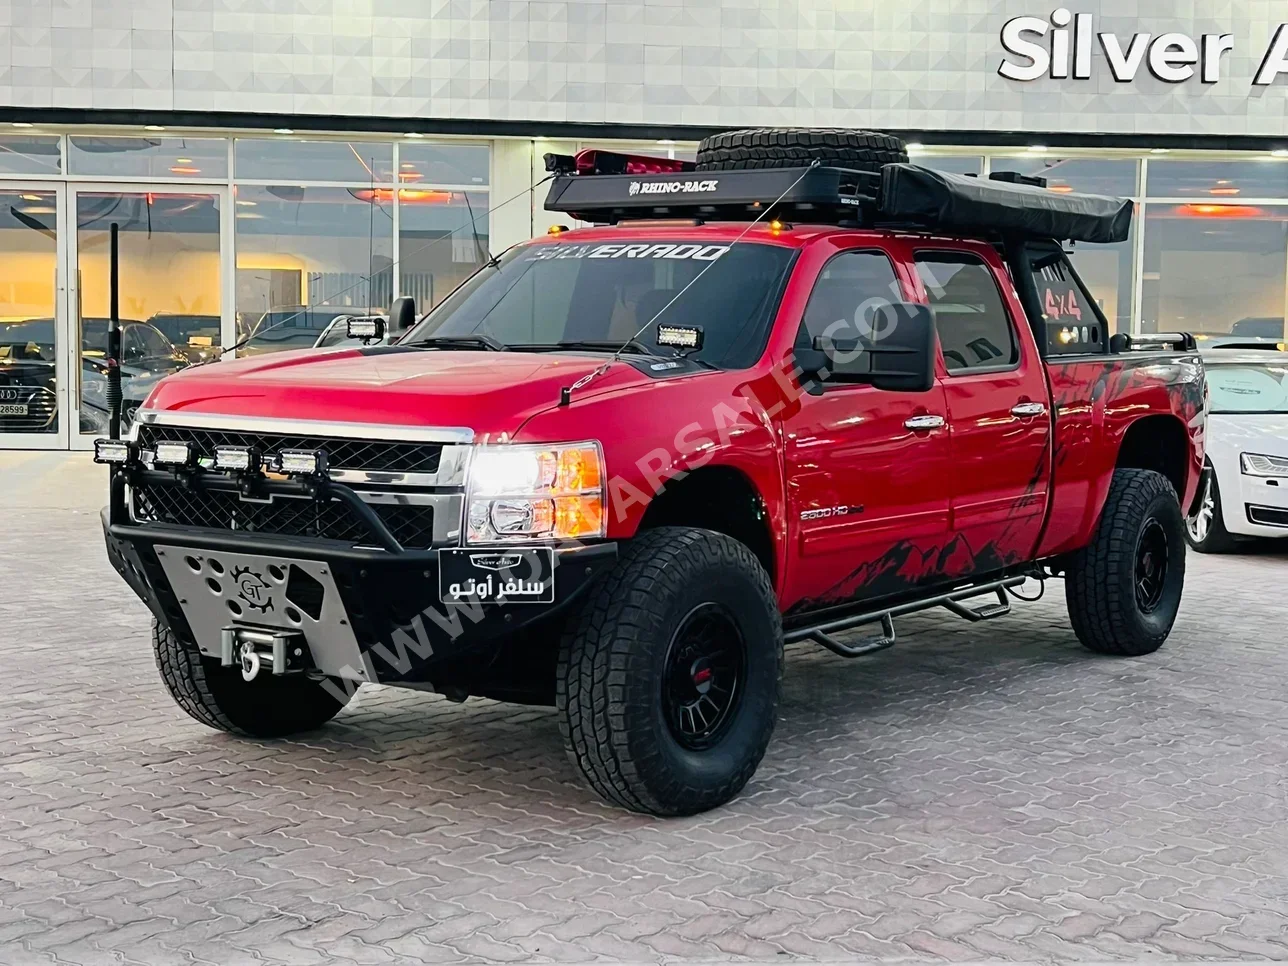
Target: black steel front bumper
[391,595]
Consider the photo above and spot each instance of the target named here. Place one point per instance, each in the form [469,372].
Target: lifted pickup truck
[798,389]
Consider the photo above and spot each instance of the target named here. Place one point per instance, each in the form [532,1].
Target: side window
[974,327]
[849,286]
[1070,317]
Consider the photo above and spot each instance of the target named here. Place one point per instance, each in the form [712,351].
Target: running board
[823,633]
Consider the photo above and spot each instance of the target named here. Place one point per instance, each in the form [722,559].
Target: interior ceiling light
[22,124]
[1279,153]
[153,127]
[283,130]
[1161,151]
[1220,211]
[413,134]
[1224,191]
[1037,148]
[915,146]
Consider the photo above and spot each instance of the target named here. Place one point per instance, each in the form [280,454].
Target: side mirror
[898,355]
[402,315]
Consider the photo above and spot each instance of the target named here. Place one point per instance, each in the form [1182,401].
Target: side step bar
[823,633]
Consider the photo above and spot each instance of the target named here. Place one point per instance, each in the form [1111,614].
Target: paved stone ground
[980,793]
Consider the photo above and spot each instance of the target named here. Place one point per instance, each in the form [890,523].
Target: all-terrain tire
[1218,539]
[784,147]
[1108,611]
[617,669]
[268,707]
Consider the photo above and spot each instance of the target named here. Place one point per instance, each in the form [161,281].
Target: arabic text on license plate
[13,409]
[522,575]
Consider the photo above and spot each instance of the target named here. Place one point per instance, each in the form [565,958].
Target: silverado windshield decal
[698,253]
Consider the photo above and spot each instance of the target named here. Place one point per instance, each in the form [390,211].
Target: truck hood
[489,392]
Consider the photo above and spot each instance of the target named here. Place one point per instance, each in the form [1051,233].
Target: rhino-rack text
[670,187]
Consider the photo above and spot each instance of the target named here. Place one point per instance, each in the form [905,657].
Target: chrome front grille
[42,410]
[411,477]
[372,456]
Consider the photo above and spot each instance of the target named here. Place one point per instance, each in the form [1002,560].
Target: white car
[1245,483]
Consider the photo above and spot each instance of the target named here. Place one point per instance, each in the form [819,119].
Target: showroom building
[274,164]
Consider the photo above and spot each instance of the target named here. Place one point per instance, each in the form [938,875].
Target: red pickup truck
[795,390]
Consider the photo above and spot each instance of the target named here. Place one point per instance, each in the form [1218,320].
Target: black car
[28,403]
[196,337]
[28,372]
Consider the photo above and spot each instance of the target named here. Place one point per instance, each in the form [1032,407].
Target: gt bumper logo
[671,187]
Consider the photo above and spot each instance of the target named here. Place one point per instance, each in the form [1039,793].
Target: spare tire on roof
[790,147]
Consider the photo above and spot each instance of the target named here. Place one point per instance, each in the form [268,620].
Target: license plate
[518,576]
[13,409]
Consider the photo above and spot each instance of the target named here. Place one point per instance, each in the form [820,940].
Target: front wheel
[1124,588]
[1205,531]
[669,675]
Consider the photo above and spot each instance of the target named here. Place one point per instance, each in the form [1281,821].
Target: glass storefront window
[306,256]
[169,282]
[1214,268]
[195,159]
[30,154]
[28,247]
[1116,178]
[438,248]
[1106,270]
[949,164]
[1217,181]
[444,164]
[288,159]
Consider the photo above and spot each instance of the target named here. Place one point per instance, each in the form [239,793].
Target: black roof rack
[900,194]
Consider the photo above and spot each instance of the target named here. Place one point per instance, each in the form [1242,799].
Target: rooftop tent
[960,203]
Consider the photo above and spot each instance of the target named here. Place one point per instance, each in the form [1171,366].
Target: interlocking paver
[979,793]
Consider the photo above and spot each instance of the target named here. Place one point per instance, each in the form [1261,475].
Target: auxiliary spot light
[173,454]
[234,458]
[304,462]
[111,451]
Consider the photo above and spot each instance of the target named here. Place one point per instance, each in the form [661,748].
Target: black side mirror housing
[897,355]
[402,315]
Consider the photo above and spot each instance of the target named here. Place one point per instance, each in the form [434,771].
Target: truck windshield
[564,293]
[1248,388]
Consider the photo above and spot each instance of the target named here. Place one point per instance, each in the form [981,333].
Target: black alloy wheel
[703,682]
[1151,566]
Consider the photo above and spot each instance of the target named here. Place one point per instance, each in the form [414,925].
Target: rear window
[545,294]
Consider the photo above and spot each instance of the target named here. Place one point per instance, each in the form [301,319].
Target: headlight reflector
[525,492]
[1255,464]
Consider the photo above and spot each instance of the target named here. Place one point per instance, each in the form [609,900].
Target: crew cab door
[999,421]
[867,470]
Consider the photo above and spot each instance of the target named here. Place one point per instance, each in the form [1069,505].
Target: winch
[284,652]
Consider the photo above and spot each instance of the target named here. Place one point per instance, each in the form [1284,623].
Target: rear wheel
[669,675]
[782,147]
[1205,531]
[1124,588]
[267,707]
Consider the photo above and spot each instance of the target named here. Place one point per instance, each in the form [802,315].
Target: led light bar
[111,451]
[305,462]
[680,336]
[235,458]
[365,327]
[173,454]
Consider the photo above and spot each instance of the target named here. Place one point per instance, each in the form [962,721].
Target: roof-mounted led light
[111,451]
[680,336]
[172,454]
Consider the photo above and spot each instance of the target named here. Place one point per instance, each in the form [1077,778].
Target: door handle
[1027,410]
[922,423]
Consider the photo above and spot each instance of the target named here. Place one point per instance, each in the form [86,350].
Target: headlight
[518,493]
[1254,464]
